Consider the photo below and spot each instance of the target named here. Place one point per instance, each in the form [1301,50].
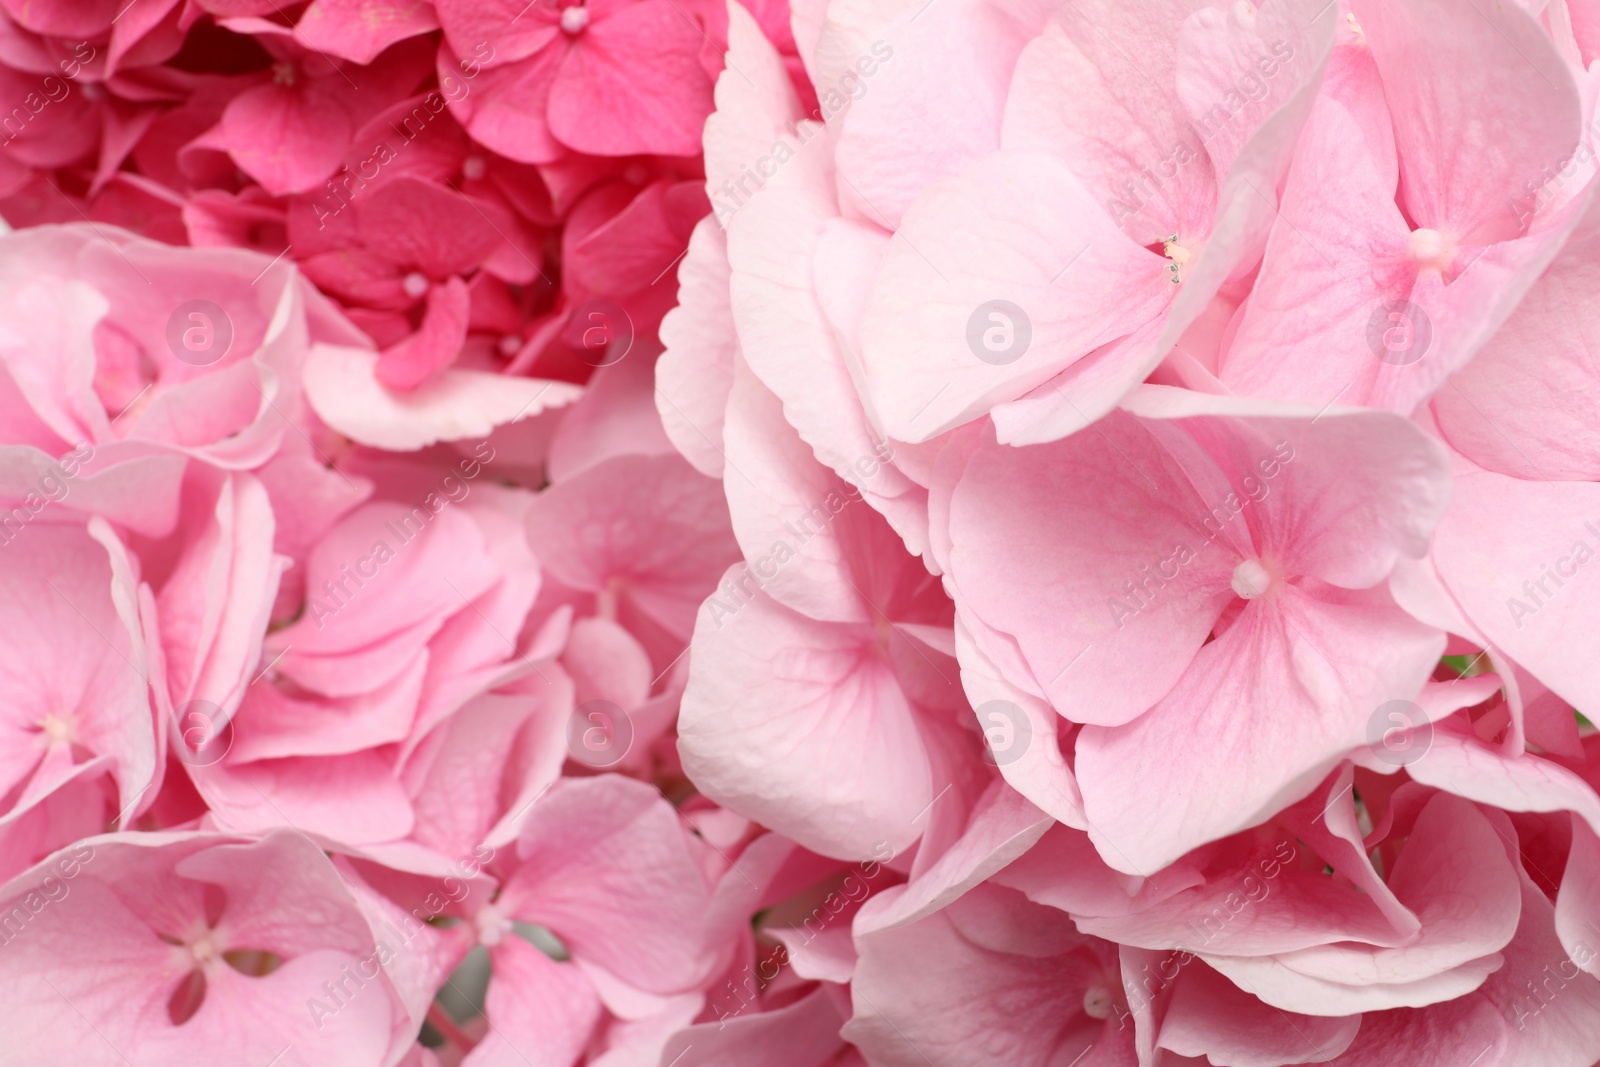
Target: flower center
[415,284]
[492,926]
[203,950]
[1430,249]
[574,19]
[284,74]
[606,600]
[1179,254]
[883,629]
[473,168]
[56,727]
[1251,579]
[1097,1001]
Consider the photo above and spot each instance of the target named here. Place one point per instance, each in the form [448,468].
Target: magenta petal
[436,343]
[285,138]
[633,83]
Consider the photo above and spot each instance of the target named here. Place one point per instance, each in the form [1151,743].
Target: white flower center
[574,19]
[415,284]
[1180,254]
[1429,248]
[1251,579]
[1097,1001]
[492,926]
[56,727]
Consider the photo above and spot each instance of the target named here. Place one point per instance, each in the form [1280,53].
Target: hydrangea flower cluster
[863,533]
[500,186]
